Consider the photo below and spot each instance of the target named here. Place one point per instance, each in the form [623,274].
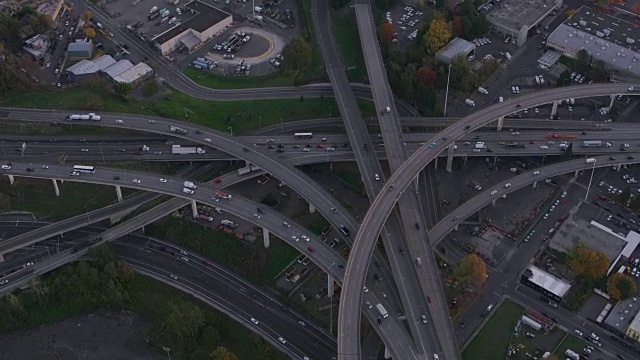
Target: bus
[84,169]
[303,135]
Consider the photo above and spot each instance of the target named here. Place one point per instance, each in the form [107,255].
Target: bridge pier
[194,209]
[55,187]
[265,237]
[330,287]
[450,156]
[387,354]
[455,228]
[535,184]
[493,202]
[465,160]
[575,176]
[500,123]
[554,109]
[435,162]
[1,257]
[613,98]
[312,208]
[11,179]
[118,192]
[619,167]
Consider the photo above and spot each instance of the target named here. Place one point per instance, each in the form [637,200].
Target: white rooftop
[455,47]
[548,282]
[91,66]
[134,73]
[118,68]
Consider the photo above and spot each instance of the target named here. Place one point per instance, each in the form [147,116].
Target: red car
[319,146]
[217,181]
[204,262]
[602,197]
[311,250]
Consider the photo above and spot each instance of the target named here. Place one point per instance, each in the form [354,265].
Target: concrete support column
[312,208]
[118,192]
[576,174]
[495,160]
[535,184]
[455,228]
[619,167]
[500,123]
[194,209]
[465,160]
[542,160]
[450,156]
[613,98]
[387,354]
[1,257]
[330,287]
[246,163]
[55,187]
[493,202]
[11,179]
[265,237]
[554,109]
[61,181]
[435,162]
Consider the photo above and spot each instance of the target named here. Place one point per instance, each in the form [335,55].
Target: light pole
[331,301]
[593,169]
[446,94]
[230,130]
[168,350]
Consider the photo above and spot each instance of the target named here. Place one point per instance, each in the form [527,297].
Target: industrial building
[454,48]
[37,46]
[515,18]
[118,68]
[604,37]
[548,285]
[80,50]
[85,69]
[119,71]
[202,23]
[135,74]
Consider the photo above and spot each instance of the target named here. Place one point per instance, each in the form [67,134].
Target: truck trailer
[592,143]
[177,130]
[383,312]
[182,150]
[89,116]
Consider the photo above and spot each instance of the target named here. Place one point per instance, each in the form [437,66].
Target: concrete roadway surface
[408,211]
[348,320]
[315,249]
[370,169]
[232,295]
[295,179]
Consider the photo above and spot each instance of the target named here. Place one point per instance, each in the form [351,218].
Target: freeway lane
[322,255]
[348,339]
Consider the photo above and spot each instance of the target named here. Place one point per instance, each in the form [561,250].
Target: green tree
[625,195]
[564,78]
[222,353]
[470,271]
[150,88]
[297,56]
[463,77]
[122,88]
[437,35]
[90,32]
[599,71]
[583,60]
[621,286]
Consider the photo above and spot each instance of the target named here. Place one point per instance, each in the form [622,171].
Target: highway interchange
[383,197]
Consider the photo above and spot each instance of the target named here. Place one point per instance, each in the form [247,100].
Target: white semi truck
[383,312]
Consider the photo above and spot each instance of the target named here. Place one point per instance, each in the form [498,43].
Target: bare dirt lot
[105,336]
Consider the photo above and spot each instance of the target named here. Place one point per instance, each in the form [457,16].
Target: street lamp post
[593,169]
[230,130]
[446,94]
[168,350]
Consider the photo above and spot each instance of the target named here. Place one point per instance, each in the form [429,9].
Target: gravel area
[111,336]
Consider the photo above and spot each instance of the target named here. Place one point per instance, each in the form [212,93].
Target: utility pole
[446,94]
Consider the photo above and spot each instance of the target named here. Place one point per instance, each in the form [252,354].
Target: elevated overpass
[348,339]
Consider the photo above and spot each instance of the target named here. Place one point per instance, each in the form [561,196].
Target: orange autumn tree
[470,271]
[385,33]
[427,75]
[621,286]
[588,263]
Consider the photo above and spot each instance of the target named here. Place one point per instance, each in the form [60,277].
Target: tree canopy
[470,271]
[437,35]
[385,33]
[297,56]
[621,286]
[588,263]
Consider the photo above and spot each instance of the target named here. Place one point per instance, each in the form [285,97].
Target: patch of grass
[37,196]
[156,167]
[568,62]
[252,262]
[171,318]
[215,81]
[240,116]
[570,342]
[345,29]
[349,175]
[30,128]
[317,223]
[493,340]
[315,70]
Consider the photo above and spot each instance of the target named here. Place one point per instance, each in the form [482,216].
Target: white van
[500,99]
[590,160]
[418,262]
[482,90]
[507,55]
[470,102]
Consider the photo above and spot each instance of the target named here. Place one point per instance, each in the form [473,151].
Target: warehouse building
[118,68]
[85,69]
[604,37]
[80,50]
[454,48]
[548,285]
[515,18]
[203,23]
[135,74]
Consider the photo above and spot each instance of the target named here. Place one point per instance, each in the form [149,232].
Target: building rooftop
[202,17]
[612,40]
[624,315]
[514,14]
[80,46]
[118,68]
[592,235]
[454,48]
[547,281]
[91,66]
[134,73]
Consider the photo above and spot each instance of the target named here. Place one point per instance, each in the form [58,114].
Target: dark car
[341,267]
[417,226]
[366,147]
[401,250]
[116,177]
[379,320]
[30,169]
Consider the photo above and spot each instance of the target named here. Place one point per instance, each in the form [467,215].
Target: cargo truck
[180,150]
[480,146]
[89,116]
[153,10]
[229,223]
[190,185]
[177,130]
[572,354]
[202,65]
[592,143]
[383,312]
[223,195]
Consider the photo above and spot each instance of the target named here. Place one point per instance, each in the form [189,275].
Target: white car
[207,140]
[255,321]
[435,357]
[163,180]
[119,121]
[295,238]
[84,150]
[151,121]
[306,237]
[44,166]
[536,173]
[507,185]
[174,277]
[135,181]
[377,177]
[286,224]
[368,304]
[282,340]
[494,192]
[544,147]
